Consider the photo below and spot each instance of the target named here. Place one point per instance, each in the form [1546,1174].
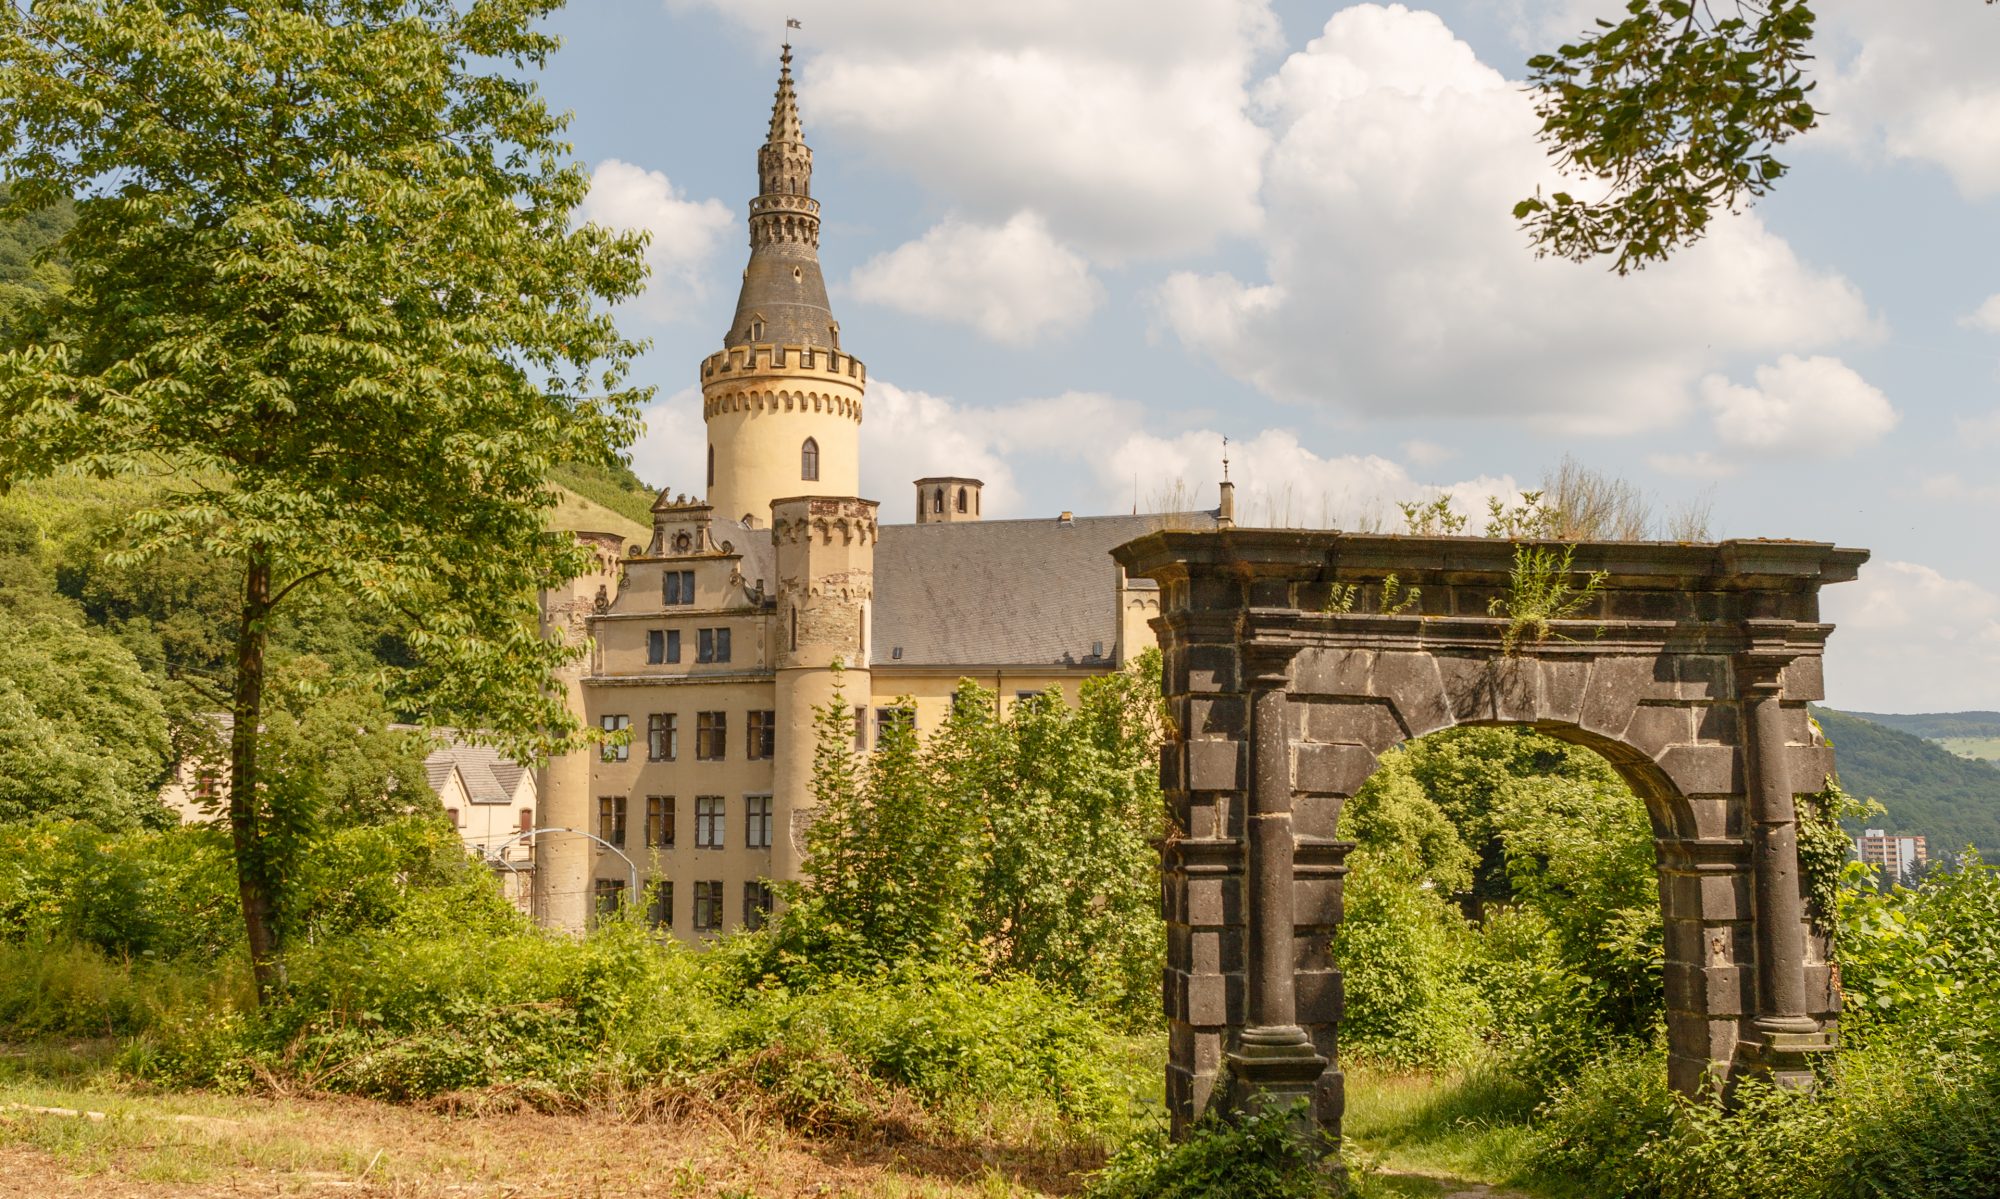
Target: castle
[713,645]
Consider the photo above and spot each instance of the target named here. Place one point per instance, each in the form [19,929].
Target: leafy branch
[1677,110]
[1540,593]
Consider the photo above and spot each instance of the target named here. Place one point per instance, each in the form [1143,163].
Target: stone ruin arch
[1689,672]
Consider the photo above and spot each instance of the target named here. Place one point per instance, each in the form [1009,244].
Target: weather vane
[1225,458]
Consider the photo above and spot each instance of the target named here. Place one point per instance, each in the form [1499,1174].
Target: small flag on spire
[792,23]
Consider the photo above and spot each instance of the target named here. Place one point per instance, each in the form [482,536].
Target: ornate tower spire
[783,301]
[782,399]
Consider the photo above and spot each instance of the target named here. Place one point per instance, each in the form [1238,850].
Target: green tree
[1675,111]
[1024,843]
[325,280]
[82,734]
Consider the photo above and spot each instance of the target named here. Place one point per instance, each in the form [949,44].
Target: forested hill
[1936,726]
[1927,790]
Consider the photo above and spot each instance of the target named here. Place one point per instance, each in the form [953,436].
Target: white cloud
[1909,639]
[685,233]
[1699,465]
[1011,282]
[1914,80]
[908,435]
[1799,406]
[1952,489]
[1427,453]
[1123,122]
[1980,431]
[1398,282]
[672,451]
[1986,317]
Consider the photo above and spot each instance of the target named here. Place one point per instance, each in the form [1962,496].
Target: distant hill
[616,488]
[1937,726]
[1927,790]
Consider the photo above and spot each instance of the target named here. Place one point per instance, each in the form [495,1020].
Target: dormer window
[833,331]
[756,328]
[809,461]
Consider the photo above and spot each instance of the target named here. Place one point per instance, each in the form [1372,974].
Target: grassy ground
[71,1127]
[1449,1129]
[577,514]
[89,1137]
[1973,747]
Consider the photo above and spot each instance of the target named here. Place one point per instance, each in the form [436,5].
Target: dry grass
[178,1146]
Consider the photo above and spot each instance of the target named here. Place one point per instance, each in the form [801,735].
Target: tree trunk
[253,866]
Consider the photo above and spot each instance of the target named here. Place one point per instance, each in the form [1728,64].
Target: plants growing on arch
[326,286]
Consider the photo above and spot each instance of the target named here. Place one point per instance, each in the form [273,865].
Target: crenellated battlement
[779,227]
[759,400]
[790,360]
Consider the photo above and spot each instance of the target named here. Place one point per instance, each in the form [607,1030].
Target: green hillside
[1938,726]
[1926,789]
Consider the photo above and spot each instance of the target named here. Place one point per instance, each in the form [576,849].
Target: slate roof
[490,776]
[1004,592]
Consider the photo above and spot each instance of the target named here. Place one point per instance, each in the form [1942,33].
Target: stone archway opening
[1504,896]
[1292,663]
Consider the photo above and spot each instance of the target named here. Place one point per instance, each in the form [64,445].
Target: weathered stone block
[1207,999]
[1809,766]
[1316,815]
[1712,990]
[1369,722]
[1615,689]
[1215,766]
[1211,668]
[1805,679]
[1704,769]
[1411,682]
[1564,684]
[1316,902]
[1211,900]
[1517,689]
[1319,996]
[1468,687]
[1653,728]
[1718,723]
[1331,769]
[1213,593]
[1716,817]
[1332,671]
[1703,677]
[1216,717]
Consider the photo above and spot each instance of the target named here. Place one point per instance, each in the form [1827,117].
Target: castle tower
[947,499]
[565,862]
[826,586]
[781,399]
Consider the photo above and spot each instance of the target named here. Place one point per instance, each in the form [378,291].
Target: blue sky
[1076,245]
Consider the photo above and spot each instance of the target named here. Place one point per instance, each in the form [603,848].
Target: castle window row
[677,587]
[711,821]
[708,903]
[711,736]
[663,646]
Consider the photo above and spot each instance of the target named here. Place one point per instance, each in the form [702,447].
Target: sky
[1079,244]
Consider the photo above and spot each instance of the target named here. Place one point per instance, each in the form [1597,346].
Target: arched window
[711,466]
[809,460]
[961,499]
[756,328]
[937,500]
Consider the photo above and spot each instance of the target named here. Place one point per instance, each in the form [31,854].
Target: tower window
[961,499]
[937,500]
[809,460]
[756,328]
[833,331]
[711,466]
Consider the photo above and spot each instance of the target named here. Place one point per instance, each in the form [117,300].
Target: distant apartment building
[1893,857]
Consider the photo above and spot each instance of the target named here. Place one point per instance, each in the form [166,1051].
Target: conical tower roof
[783,301]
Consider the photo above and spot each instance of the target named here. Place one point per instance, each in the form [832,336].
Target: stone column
[1274,1063]
[1785,1032]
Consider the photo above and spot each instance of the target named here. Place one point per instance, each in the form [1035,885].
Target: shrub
[1259,1157]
